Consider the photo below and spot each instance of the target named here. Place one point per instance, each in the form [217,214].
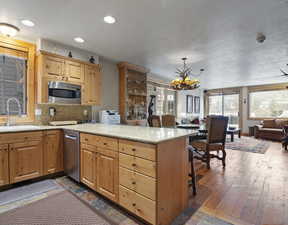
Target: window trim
[276,87]
[30,49]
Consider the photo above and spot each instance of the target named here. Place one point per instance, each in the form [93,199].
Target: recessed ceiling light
[79,40]
[28,23]
[8,30]
[109,19]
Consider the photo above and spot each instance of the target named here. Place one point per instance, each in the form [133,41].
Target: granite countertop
[137,133]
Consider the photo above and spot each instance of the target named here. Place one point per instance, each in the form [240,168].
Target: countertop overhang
[151,135]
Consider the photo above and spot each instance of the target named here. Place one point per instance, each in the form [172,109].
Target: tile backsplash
[63,113]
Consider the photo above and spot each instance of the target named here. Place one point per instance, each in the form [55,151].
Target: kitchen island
[145,170]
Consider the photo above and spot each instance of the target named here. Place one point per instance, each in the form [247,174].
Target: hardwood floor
[253,189]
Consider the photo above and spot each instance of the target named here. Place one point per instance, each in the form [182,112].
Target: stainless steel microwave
[65,93]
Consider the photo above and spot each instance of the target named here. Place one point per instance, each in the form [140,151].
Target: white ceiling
[218,35]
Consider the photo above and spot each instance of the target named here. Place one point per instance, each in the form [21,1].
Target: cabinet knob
[133,182]
[104,143]
[133,164]
[133,149]
[134,204]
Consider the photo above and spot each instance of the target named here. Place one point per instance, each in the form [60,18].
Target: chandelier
[184,82]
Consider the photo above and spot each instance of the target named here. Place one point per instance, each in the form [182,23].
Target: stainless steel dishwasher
[72,154]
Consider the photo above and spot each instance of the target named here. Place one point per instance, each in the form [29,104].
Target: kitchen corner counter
[136,133]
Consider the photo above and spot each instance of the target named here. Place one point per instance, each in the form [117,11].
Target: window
[12,82]
[17,79]
[227,105]
[268,104]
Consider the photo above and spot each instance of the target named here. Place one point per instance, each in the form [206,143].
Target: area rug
[248,144]
[26,194]
[62,208]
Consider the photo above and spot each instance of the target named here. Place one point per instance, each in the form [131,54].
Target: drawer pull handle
[104,143]
[134,164]
[134,204]
[133,149]
[133,182]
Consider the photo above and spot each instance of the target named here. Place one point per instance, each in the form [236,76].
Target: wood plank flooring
[253,189]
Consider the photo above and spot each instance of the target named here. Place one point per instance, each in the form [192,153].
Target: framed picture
[197,104]
[189,103]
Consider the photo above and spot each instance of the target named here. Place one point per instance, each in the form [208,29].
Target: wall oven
[65,93]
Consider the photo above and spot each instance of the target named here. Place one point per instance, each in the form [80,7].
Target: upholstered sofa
[271,129]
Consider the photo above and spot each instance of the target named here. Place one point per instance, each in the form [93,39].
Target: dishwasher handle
[70,137]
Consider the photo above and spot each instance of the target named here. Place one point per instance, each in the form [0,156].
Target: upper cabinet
[92,85]
[52,67]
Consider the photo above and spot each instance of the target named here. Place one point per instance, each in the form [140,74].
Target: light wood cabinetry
[52,67]
[4,168]
[99,164]
[132,93]
[88,166]
[53,151]
[107,181]
[25,160]
[92,85]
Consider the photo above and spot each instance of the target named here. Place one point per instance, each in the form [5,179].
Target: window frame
[254,89]
[30,49]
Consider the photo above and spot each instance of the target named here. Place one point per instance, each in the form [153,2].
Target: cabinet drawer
[89,139]
[146,151]
[21,137]
[137,164]
[137,204]
[106,142]
[142,184]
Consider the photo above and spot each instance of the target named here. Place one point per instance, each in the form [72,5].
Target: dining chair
[155,121]
[215,141]
[168,121]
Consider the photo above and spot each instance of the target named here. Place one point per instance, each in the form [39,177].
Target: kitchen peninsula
[145,170]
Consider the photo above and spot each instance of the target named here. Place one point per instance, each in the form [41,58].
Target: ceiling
[218,35]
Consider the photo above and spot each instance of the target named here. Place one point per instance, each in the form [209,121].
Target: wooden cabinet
[53,67]
[53,151]
[88,166]
[92,85]
[74,71]
[107,182]
[132,93]
[25,160]
[4,169]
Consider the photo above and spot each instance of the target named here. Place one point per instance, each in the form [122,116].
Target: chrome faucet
[8,109]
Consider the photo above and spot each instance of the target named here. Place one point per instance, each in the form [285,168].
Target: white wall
[181,103]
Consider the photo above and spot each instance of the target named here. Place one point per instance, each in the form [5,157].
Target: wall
[181,104]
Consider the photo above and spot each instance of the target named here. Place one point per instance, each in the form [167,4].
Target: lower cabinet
[53,151]
[25,160]
[4,168]
[107,174]
[88,166]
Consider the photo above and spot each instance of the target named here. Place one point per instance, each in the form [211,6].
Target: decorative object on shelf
[184,82]
[8,30]
[70,54]
[92,60]
[197,104]
[189,104]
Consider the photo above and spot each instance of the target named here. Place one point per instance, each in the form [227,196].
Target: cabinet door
[88,167]
[107,182]
[74,71]
[4,169]
[53,67]
[26,160]
[92,87]
[53,152]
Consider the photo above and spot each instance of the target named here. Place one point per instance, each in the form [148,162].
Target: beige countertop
[137,133]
